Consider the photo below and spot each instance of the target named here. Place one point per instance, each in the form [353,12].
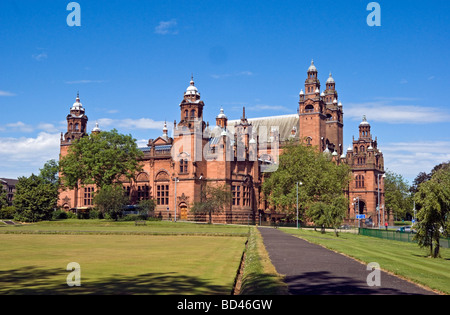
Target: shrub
[59,215]
[7,212]
[95,214]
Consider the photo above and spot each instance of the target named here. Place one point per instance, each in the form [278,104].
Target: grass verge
[259,276]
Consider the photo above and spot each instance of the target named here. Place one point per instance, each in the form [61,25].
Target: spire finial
[243,112]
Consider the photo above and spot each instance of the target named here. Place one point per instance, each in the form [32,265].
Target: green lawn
[75,226]
[118,258]
[404,259]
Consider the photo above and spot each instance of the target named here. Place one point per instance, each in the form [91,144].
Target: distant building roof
[9,181]
[284,123]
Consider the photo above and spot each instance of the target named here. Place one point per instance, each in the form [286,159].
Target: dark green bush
[59,215]
[7,212]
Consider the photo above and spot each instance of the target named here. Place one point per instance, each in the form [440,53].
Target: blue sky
[131,61]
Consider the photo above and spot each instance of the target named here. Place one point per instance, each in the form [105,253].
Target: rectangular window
[88,194]
[143,192]
[247,194]
[162,194]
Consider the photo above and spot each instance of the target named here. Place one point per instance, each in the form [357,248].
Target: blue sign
[360,216]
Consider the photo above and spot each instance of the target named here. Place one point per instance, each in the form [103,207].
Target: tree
[100,159]
[3,197]
[49,172]
[433,198]
[213,200]
[111,200]
[398,200]
[321,195]
[35,199]
[147,207]
[423,177]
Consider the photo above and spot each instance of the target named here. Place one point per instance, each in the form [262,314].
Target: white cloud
[25,155]
[40,57]
[411,158]
[6,93]
[17,127]
[167,27]
[383,111]
[128,123]
[47,127]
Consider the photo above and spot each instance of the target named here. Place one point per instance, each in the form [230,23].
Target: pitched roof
[260,125]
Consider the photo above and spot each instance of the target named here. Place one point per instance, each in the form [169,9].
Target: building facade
[9,185]
[175,169]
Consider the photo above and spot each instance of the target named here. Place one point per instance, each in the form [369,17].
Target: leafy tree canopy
[321,193]
[433,198]
[110,200]
[214,198]
[35,199]
[398,199]
[100,159]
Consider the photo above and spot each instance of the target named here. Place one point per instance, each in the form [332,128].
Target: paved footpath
[311,269]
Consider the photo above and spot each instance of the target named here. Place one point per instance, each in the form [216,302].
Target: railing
[398,236]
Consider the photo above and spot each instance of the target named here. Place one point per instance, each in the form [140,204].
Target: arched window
[143,186]
[193,113]
[77,127]
[309,109]
[308,141]
[186,114]
[361,148]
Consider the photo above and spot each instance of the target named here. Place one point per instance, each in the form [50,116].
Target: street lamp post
[297,200]
[356,200]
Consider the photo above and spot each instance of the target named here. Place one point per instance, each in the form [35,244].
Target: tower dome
[364,121]
[330,79]
[312,67]
[96,129]
[221,114]
[191,89]
[77,105]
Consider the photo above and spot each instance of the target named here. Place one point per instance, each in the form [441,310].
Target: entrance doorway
[183,211]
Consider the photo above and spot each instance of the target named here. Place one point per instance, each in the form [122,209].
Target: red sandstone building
[237,153]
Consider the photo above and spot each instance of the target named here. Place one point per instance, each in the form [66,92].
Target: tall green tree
[214,199]
[110,200]
[35,199]
[398,199]
[433,198]
[49,172]
[3,197]
[321,193]
[100,159]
